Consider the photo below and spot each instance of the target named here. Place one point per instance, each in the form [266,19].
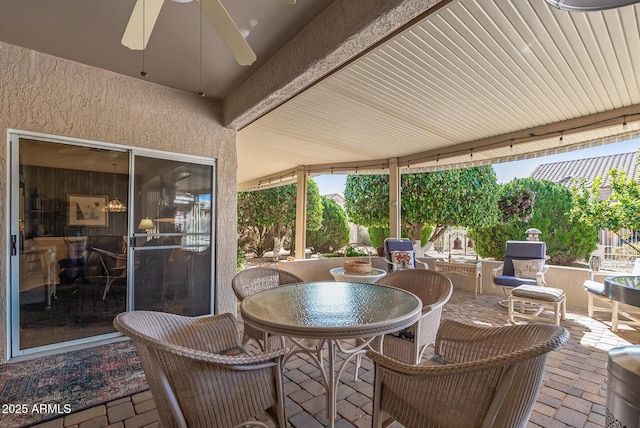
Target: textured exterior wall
[41,93]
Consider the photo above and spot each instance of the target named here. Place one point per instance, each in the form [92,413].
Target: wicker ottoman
[541,296]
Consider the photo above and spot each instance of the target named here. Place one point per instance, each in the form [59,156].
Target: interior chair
[250,281]
[523,264]
[105,261]
[595,290]
[399,255]
[434,289]
[478,377]
[199,374]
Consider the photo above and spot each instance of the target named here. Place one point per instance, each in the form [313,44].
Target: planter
[357,264]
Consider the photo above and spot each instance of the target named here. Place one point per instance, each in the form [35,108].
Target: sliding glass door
[172,239]
[97,230]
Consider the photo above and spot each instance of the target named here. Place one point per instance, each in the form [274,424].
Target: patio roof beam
[553,130]
[346,30]
[437,158]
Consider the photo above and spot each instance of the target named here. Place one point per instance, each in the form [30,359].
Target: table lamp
[146,224]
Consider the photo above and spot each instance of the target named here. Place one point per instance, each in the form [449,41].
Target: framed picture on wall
[86,210]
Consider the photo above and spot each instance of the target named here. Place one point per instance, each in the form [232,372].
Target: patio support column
[394,198]
[301,213]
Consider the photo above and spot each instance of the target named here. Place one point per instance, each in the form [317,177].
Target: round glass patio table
[330,312]
[624,289]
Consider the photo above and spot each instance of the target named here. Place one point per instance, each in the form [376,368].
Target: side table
[471,269]
[339,274]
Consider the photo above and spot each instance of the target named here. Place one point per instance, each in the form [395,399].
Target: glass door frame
[14,249]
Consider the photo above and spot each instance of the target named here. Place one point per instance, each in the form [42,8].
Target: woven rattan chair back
[478,377]
[434,289]
[250,281]
[253,280]
[199,375]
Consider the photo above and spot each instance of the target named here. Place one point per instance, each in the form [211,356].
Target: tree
[545,205]
[621,210]
[272,213]
[460,197]
[334,232]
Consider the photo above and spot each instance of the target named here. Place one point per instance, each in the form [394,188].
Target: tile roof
[589,169]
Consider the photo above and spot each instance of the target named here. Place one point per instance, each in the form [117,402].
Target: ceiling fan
[145,13]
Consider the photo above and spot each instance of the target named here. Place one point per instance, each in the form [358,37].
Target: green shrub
[566,241]
[334,231]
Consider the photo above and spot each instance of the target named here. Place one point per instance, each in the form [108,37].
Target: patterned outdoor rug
[37,390]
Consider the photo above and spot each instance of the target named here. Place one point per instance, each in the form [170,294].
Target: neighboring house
[336,197]
[588,169]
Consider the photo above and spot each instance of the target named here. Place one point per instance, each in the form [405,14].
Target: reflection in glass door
[69,274]
[172,250]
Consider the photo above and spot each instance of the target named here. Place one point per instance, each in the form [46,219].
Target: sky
[505,172]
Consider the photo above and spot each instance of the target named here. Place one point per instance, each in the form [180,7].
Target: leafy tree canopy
[272,212]
[460,197]
[566,240]
[621,210]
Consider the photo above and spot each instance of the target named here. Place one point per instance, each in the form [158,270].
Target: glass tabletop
[624,289]
[331,309]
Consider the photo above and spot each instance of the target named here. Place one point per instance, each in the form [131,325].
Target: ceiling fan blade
[228,31]
[133,36]
[290,1]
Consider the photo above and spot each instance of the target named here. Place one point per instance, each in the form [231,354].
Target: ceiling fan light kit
[589,5]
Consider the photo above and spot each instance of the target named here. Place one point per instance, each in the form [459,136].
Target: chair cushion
[547,294]
[594,287]
[406,334]
[527,268]
[512,281]
[236,350]
[434,360]
[402,259]
[76,248]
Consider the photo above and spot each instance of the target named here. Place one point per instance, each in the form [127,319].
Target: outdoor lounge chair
[523,264]
[595,290]
[478,377]
[199,375]
[399,255]
[434,289]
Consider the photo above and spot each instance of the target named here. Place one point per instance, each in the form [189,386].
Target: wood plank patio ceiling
[468,84]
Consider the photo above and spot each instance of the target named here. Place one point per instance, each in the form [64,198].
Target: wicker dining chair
[198,373]
[478,377]
[250,281]
[434,289]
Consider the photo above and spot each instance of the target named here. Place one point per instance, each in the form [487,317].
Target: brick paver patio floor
[573,393]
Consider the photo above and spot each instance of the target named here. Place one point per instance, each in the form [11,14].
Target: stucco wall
[568,279]
[49,95]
